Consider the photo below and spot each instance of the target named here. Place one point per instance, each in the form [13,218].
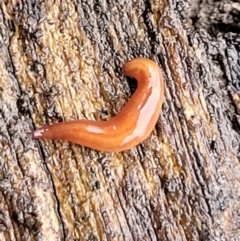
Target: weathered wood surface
[61,60]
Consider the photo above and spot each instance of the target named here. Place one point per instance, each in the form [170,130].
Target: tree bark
[62,60]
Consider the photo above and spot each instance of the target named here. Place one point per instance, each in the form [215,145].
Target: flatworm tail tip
[37,133]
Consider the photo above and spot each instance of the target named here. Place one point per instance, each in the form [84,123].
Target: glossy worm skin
[133,124]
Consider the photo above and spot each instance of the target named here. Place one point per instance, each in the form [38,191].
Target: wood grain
[61,60]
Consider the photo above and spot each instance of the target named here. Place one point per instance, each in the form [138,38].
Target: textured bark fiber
[62,60]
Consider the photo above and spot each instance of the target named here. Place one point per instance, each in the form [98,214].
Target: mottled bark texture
[62,60]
